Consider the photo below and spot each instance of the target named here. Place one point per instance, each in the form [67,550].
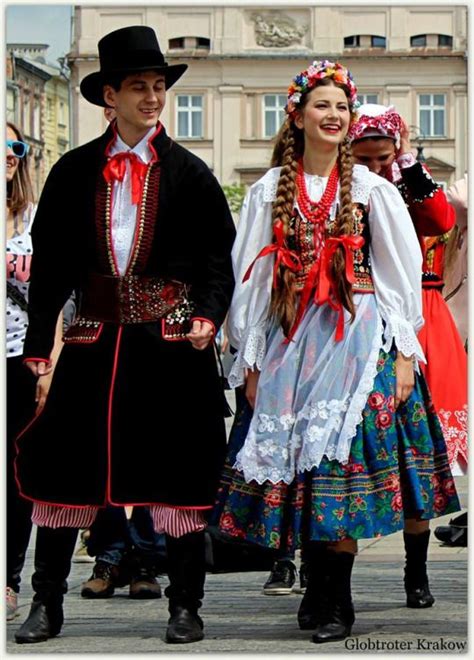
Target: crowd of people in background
[341,297]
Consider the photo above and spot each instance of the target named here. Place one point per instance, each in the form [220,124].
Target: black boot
[314,605]
[187,573]
[53,553]
[340,613]
[416,577]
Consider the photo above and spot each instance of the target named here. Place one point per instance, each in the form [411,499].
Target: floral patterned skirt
[398,468]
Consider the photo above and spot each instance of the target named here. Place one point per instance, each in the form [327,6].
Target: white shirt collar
[141,149]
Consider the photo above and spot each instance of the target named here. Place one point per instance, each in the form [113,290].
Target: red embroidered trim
[147,214]
[32,359]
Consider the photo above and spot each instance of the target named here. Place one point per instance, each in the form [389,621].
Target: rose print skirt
[398,468]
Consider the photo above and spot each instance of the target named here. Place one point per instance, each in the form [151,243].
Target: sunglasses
[20,149]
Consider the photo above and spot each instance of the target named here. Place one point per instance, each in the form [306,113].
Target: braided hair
[288,149]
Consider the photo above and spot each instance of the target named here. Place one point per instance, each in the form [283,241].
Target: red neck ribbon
[116,167]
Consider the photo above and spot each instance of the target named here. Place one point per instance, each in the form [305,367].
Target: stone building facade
[229,104]
[37,102]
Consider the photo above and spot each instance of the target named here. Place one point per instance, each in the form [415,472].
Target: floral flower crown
[375,120]
[307,79]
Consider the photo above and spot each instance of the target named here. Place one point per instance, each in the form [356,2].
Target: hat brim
[92,86]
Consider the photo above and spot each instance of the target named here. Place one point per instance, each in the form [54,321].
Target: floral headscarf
[375,120]
[306,80]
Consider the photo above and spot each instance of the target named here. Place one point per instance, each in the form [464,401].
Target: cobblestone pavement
[239,618]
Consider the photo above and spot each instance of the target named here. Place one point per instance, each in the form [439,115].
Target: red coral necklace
[316,212]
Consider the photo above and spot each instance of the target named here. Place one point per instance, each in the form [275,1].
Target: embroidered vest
[300,239]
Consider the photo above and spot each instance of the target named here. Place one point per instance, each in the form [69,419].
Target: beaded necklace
[316,212]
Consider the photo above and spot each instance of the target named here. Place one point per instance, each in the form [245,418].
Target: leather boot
[314,605]
[53,553]
[187,573]
[416,578]
[340,614]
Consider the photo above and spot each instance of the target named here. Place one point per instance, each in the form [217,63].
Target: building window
[367,98]
[26,114]
[189,115]
[431,41]
[445,41]
[378,42]
[62,113]
[189,43]
[37,119]
[432,113]
[274,113]
[365,41]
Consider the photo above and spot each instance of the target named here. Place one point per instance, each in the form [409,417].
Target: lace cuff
[250,355]
[401,332]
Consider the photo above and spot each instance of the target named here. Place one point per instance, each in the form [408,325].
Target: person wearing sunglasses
[26,395]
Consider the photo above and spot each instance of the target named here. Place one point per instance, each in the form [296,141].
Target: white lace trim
[355,407]
[315,436]
[362,183]
[250,355]
[402,332]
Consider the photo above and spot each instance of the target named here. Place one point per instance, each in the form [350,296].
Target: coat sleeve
[396,262]
[214,284]
[53,262]
[429,208]
[251,301]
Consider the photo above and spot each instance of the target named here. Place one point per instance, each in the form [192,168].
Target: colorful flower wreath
[307,79]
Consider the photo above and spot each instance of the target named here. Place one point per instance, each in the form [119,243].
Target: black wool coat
[131,418]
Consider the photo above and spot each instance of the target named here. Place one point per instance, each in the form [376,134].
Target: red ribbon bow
[325,291]
[116,167]
[283,256]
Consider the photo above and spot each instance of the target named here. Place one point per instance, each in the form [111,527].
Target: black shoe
[335,630]
[281,579]
[454,534]
[43,622]
[419,597]
[303,581]
[184,627]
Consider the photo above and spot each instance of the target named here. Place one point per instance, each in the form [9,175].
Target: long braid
[283,303]
[344,225]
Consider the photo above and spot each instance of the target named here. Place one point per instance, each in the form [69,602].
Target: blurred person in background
[26,394]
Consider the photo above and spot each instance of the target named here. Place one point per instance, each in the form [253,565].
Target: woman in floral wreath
[343,442]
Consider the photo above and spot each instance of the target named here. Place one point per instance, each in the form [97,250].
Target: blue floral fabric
[398,468]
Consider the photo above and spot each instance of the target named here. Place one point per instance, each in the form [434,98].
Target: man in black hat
[140,228]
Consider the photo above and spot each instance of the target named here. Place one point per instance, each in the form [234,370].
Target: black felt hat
[128,50]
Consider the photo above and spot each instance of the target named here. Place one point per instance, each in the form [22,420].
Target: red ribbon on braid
[283,255]
[116,167]
[327,289]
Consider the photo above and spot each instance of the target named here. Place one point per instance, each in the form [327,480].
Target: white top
[395,254]
[124,213]
[19,250]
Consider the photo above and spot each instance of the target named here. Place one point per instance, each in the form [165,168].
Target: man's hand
[42,389]
[201,334]
[39,368]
